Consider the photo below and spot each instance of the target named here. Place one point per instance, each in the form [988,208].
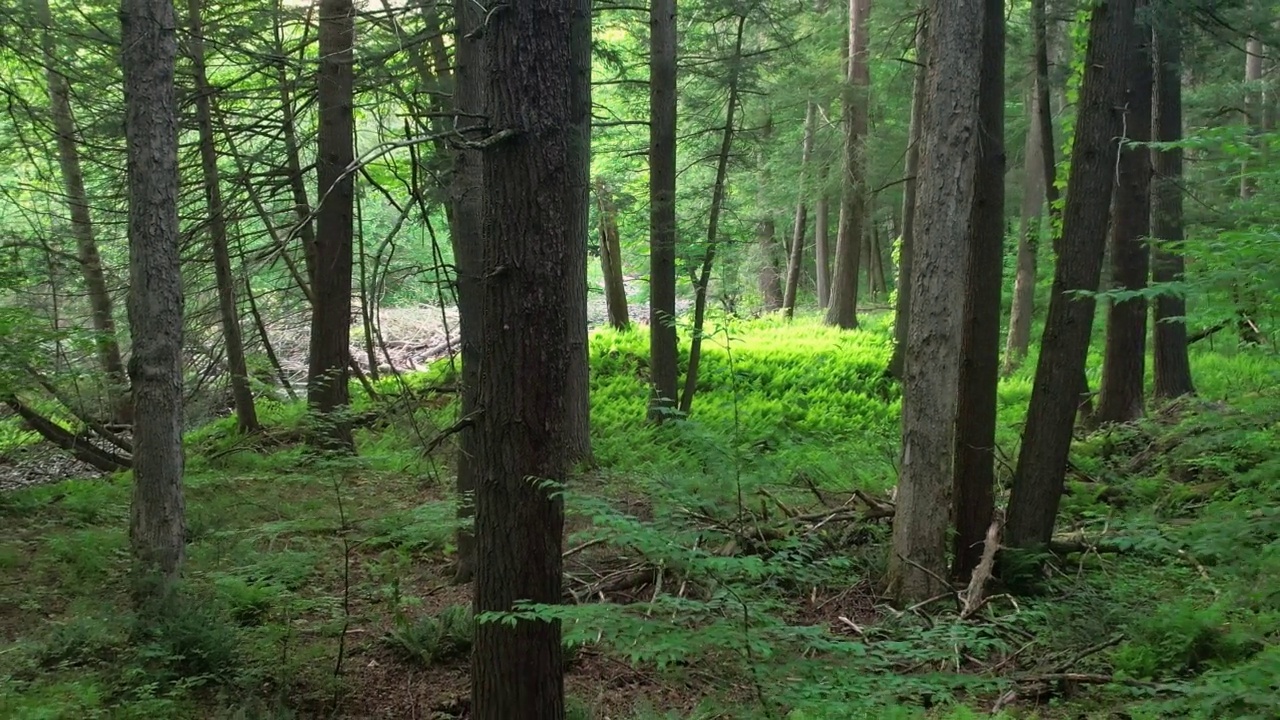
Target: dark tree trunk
[1120,395]
[241,392]
[906,251]
[293,163]
[822,240]
[1046,441]
[1246,307]
[615,292]
[842,310]
[149,49]
[534,194]
[328,375]
[796,255]
[1018,340]
[974,469]
[662,208]
[82,228]
[466,200]
[579,387]
[1171,364]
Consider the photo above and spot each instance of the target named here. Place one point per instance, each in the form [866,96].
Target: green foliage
[431,639]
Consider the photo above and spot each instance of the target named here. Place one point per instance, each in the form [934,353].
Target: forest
[595,360]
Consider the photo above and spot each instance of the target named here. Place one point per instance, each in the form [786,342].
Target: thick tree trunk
[769,278]
[945,213]
[662,208]
[615,291]
[1018,340]
[1171,365]
[843,306]
[241,392]
[822,240]
[906,250]
[579,387]
[1046,441]
[1120,395]
[149,48]
[328,374]
[974,470]
[796,255]
[535,213]
[82,228]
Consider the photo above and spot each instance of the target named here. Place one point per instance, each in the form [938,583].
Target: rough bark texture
[843,306]
[974,470]
[1171,365]
[579,388]
[82,228]
[1120,394]
[906,249]
[1246,307]
[615,292]
[535,214]
[822,240]
[1044,84]
[329,373]
[465,236]
[944,215]
[662,207]
[1018,339]
[1046,440]
[149,49]
[796,255]
[228,313]
[769,279]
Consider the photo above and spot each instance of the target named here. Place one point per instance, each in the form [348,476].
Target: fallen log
[81,449]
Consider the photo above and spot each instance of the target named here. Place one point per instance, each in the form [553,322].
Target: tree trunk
[906,250]
[662,208]
[1169,346]
[1120,395]
[293,164]
[713,225]
[822,240]
[466,225]
[1018,340]
[974,475]
[149,48]
[82,229]
[1046,441]
[328,374]
[1246,308]
[579,387]
[241,392]
[535,214]
[946,210]
[615,291]
[842,310]
[769,280]
[802,214]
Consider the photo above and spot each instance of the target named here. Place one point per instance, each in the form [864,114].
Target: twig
[974,595]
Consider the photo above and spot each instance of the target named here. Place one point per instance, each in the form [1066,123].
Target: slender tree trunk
[535,215]
[82,228]
[662,208]
[1120,395]
[241,392]
[293,163]
[149,49]
[822,239]
[974,475]
[1018,340]
[768,278]
[1171,364]
[615,292]
[1046,440]
[906,250]
[579,388]
[945,212]
[842,310]
[713,225]
[802,214]
[1246,309]
[875,270]
[328,375]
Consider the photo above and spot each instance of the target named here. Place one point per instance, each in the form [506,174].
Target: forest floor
[724,567]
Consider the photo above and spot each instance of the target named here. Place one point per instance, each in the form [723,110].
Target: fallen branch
[83,451]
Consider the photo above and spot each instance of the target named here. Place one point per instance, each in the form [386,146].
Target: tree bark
[796,256]
[1120,395]
[768,278]
[534,194]
[843,306]
[662,208]
[974,475]
[82,228]
[906,250]
[1018,340]
[615,291]
[1169,346]
[1046,442]
[822,240]
[328,375]
[1246,308]
[149,48]
[241,392]
[945,213]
